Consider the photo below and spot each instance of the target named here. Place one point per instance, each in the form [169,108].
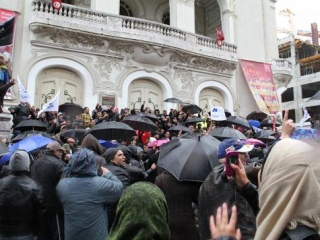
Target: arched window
[166,18]
[125,9]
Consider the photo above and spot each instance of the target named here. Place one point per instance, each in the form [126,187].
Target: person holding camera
[221,187]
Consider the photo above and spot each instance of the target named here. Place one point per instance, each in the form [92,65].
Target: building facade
[125,52]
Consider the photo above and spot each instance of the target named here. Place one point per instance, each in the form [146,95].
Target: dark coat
[180,196]
[3,90]
[20,205]
[213,193]
[46,171]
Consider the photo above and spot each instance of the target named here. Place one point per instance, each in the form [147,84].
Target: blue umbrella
[108,144]
[5,158]
[254,123]
[31,143]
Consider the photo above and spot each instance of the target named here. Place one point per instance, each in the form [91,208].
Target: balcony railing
[116,26]
[281,65]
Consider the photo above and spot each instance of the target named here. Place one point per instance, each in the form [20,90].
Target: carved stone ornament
[185,76]
[118,46]
[104,65]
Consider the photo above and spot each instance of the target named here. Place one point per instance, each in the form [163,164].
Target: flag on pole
[305,117]
[53,105]
[6,32]
[24,95]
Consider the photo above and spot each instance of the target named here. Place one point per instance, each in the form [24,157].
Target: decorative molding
[118,46]
[105,65]
[186,77]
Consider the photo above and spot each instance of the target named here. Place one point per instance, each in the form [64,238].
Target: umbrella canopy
[227,113]
[31,124]
[257,115]
[158,143]
[315,97]
[27,134]
[190,159]
[263,133]
[191,108]
[255,142]
[140,123]
[193,120]
[76,134]
[112,131]
[173,100]
[226,132]
[31,143]
[70,108]
[151,116]
[108,144]
[3,148]
[179,128]
[238,121]
[269,123]
[254,123]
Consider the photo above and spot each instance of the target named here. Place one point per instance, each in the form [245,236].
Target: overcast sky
[305,11]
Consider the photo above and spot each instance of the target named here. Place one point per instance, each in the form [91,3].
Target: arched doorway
[50,80]
[145,90]
[208,97]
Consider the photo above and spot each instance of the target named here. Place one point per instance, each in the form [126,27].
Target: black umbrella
[227,113]
[173,100]
[238,121]
[190,159]
[193,120]
[27,134]
[112,131]
[257,115]
[76,134]
[267,139]
[151,116]
[3,148]
[315,97]
[269,123]
[31,124]
[226,132]
[179,128]
[191,108]
[71,108]
[261,133]
[140,123]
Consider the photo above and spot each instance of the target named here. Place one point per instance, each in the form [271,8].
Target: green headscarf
[141,214]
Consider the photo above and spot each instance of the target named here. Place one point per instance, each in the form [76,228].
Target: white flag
[53,105]
[24,95]
[305,117]
[218,114]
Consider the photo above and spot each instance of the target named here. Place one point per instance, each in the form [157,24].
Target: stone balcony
[282,72]
[95,26]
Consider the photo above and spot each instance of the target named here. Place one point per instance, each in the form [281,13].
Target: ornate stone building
[124,52]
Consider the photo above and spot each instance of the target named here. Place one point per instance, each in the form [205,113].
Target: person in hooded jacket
[84,195]
[20,200]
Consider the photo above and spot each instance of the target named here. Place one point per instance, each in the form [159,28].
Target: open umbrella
[76,134]
[179,128]
[158,143]
[31,143]
[254,123]
[151,116]
[314,97]
[31,124]
[261,133]
[3,148]
[191,108]
[193,120]
[269,123]
[189,159]
[112,131]
[226,132]
[108,144]
[227,113]
[255,142]
[257,115]
[238,121]
[70,108]
[173,100]
[27,134]
[140,123]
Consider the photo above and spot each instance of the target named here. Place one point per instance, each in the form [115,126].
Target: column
[106,6]
[182,14]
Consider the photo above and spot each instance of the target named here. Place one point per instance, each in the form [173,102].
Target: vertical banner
[7,29]
[261,83]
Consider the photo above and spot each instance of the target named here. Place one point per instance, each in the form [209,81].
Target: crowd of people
[78,189]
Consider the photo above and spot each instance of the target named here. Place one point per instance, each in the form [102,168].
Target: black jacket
[46,171]
[20,205]
[213,193]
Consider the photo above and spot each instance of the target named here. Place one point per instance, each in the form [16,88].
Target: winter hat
[230,144]
[19,161]
[110,153]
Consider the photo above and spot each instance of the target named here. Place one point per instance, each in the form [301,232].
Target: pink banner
[261,83]
[7,25]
